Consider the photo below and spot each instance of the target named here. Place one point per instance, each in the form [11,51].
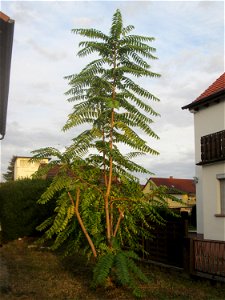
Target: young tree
[121,54]
[9,176]
[101,189]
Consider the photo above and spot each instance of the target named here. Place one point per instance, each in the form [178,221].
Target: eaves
[6,42]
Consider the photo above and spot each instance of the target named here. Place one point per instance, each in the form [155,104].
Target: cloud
[86,22]
[21,13]
[134,8]
[52,55]
[189,43]
[21,139]
[41,86]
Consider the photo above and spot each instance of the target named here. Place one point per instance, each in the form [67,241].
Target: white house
[209,126]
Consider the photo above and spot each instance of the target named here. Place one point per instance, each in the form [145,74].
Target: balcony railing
[213,147]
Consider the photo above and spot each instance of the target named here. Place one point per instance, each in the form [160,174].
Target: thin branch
[76,211]
[121,216]
[111,218]
[104,160]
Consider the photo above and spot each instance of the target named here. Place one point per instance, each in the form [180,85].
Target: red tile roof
[4,17]
[212,94]
[53,171]
[217,86]
[183,185]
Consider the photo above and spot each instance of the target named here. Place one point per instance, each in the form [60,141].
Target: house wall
[188,200]
[23,168]
[209,120]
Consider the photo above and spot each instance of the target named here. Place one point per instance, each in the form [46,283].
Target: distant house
[53,171]
[24,168]
[209,126]
[6,42]
[182,189]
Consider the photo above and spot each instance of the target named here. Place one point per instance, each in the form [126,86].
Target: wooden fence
[173,246]
[167,246]
[207,258]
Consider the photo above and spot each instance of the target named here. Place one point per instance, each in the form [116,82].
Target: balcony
[212,148]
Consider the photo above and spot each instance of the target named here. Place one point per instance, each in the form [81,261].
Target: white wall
[214,227]
[209,120]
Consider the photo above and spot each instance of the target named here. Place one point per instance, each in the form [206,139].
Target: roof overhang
[6,42]
[205,102]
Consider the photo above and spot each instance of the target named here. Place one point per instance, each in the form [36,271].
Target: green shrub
[19,212]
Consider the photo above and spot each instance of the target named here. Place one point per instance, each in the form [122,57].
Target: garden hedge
[19,211]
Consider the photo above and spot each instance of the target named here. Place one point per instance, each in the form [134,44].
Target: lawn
[39,274]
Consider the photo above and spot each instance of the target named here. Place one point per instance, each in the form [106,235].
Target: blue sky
[190,47]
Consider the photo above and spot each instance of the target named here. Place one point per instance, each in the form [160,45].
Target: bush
[19,211]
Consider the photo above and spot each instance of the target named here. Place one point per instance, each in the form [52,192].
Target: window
[212,147]
[222,195]
[221,178]
[24,163]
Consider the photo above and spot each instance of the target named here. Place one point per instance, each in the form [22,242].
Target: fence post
[191,257]
[186,253]
[186,245]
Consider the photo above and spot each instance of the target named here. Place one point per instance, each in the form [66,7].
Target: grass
[38,274]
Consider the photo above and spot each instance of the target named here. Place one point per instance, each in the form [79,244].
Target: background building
[24,168]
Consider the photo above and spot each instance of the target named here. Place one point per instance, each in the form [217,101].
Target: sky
[189,38]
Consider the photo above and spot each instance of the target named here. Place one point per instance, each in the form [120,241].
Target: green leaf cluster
[119,267]
[105,85]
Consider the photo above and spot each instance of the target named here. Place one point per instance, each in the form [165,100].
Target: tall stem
[107,212]
[104,161]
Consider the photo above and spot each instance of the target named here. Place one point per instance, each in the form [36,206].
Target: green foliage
[19,211]
[102,269]
[126,196]
[99,197]
[119,267]
[104,86]
[62,228]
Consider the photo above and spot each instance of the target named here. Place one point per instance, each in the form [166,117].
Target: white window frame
[221,179]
